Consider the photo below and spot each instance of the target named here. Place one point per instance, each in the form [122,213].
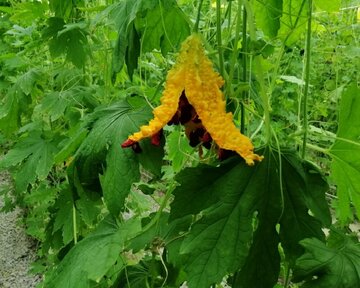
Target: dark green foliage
[241,205]
[159,24]
[92,257]
[334,265]
[69,39]
[100,153]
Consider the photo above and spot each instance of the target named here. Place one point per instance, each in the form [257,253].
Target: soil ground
[17,251]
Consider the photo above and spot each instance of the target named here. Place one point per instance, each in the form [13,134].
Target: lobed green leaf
[237,207]
[345,153]
[325,266]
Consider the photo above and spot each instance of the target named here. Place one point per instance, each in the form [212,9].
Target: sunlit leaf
[10,112]
[329,6]
[93,256]
[164,28]
[267,15]
[293,20]
[62,8]
[26,12]
[345,153]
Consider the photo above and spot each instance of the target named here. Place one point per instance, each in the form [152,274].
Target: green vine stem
[74,224]
[260,75]
[307,78]
[244,65]
[218,37]
[240,23]
[196,26]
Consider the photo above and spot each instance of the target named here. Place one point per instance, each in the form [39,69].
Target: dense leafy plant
[78,77]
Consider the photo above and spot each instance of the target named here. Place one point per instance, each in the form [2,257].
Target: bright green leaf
[293,20]
[179,150]
[26,12]
[37,154]
[28,79]
[267,16]
[329,6]
[10,111]
[64,216]
[71,145]
[93,256]
[164,28]
[87,204]
[62,8]
[160,25]
[329,267]
[345,153]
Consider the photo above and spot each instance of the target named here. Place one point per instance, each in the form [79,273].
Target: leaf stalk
[307,78]
[218,37]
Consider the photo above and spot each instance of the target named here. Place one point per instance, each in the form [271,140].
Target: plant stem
[260,75]
[307,78]
[74,224]
[235,49]
[244,65]
[287,276]
[218,37]
[163,204]
[229,17]
[196,26]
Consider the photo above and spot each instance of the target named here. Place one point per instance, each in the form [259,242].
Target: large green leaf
[10,111]
[324,266]
[329,6]
[101,153]
[63,219]
[55,103]
[293,20]
[240,206]
[27,80]
[9,116]
[160,231]
[156,24]
[68,39]
[26,12]
[89,260]
[163,28]
[123,14]
[62,8]
[345,153]
[36,155]
[267,16]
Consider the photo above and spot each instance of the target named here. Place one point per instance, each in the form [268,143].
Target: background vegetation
[77,77]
